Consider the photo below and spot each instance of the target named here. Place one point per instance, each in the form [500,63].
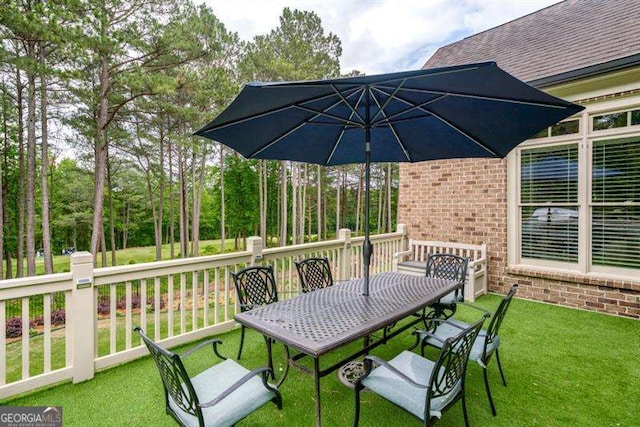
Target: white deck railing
[174,301]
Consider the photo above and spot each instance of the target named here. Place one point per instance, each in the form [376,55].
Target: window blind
[548,203]
[615,212]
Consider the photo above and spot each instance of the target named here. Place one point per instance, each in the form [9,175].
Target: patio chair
[255,286]
[220,396]
[314,273]
[420,386]
[451,267]
[485,345]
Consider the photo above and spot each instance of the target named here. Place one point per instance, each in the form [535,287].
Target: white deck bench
[414,261]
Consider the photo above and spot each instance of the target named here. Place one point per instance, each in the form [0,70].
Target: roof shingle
[564,37]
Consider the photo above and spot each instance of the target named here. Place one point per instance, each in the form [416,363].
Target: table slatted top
[320,321]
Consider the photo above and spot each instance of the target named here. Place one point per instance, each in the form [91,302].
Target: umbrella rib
[389,119]
[335,146]
[482,97]
[331,116]
[295,128]
[468,135]
[353,110]
[391,96]
[393,130]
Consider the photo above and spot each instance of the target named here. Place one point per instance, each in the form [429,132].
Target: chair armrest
[394,371]
[403,253]
[478,261]
[213,341]
[259,371]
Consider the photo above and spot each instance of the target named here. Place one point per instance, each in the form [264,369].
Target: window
[615,203]
[578,199]
[548,203]
[568,127]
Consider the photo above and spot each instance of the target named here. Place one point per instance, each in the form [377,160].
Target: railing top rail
[53,279]
[376,237]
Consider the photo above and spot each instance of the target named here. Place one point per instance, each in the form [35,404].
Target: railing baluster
[128,323]
[68,330]
[226,293]
[143,304]
[3,343]
[194,300]
[156,308]
[183,305]
[112,318]
[216,297]
[46,309]
[25,338]
[170,306]
[205,297]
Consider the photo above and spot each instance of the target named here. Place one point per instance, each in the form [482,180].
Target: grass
[136,255]
[563,366]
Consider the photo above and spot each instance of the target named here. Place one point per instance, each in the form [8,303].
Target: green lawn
[564,367]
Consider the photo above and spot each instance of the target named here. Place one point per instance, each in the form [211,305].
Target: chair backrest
[451,365]
[314,273]
[498,317]
[451,267]
[255,286]
[175,379]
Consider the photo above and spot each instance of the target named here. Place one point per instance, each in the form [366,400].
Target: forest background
[98,103]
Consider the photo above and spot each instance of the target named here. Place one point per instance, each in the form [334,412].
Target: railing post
[83,316]
[344,234]
[255,246]
[400,228]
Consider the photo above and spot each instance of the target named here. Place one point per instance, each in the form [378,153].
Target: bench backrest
[420,249]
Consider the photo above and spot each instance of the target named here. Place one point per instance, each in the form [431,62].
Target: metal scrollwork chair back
[314,273]
[422,387]
[450,267]
[204,400]
[255,286]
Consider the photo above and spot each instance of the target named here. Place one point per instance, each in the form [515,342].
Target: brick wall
[465,201]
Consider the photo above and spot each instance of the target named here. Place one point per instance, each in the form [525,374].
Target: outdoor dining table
[318,322]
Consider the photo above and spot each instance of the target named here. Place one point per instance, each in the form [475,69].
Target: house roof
[565,41]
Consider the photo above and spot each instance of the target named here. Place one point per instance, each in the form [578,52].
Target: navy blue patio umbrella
[466,111]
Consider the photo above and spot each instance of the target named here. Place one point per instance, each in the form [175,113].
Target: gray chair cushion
[215,380]
[445,331]
[388,385]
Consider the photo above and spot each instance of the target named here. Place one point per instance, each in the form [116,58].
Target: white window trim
[585,138]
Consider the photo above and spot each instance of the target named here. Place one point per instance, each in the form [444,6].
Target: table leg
[268,341]
[316,379]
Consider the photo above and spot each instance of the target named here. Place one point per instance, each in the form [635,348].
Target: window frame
[585,139]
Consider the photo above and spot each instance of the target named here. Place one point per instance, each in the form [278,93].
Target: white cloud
[381,35]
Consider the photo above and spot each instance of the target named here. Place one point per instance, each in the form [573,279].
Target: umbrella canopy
[474,110]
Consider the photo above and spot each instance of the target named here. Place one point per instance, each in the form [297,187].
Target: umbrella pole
[367,248]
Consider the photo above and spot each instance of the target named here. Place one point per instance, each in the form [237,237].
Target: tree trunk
[338,201]
[44,187]
[159,214]
[319,201]
[389,179]
[262,168]
[197,201]
[3,167]
[223,231]
[20,205]
[295,176]
[31,167]
[112,227]
[283,201]
[101,149]
[172,217]
[182,203]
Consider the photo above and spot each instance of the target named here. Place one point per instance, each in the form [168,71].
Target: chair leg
[241,342]
[500,368]
[464,409]
[486,386]
[356,417]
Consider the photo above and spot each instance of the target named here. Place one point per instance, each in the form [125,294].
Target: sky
[380,36]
